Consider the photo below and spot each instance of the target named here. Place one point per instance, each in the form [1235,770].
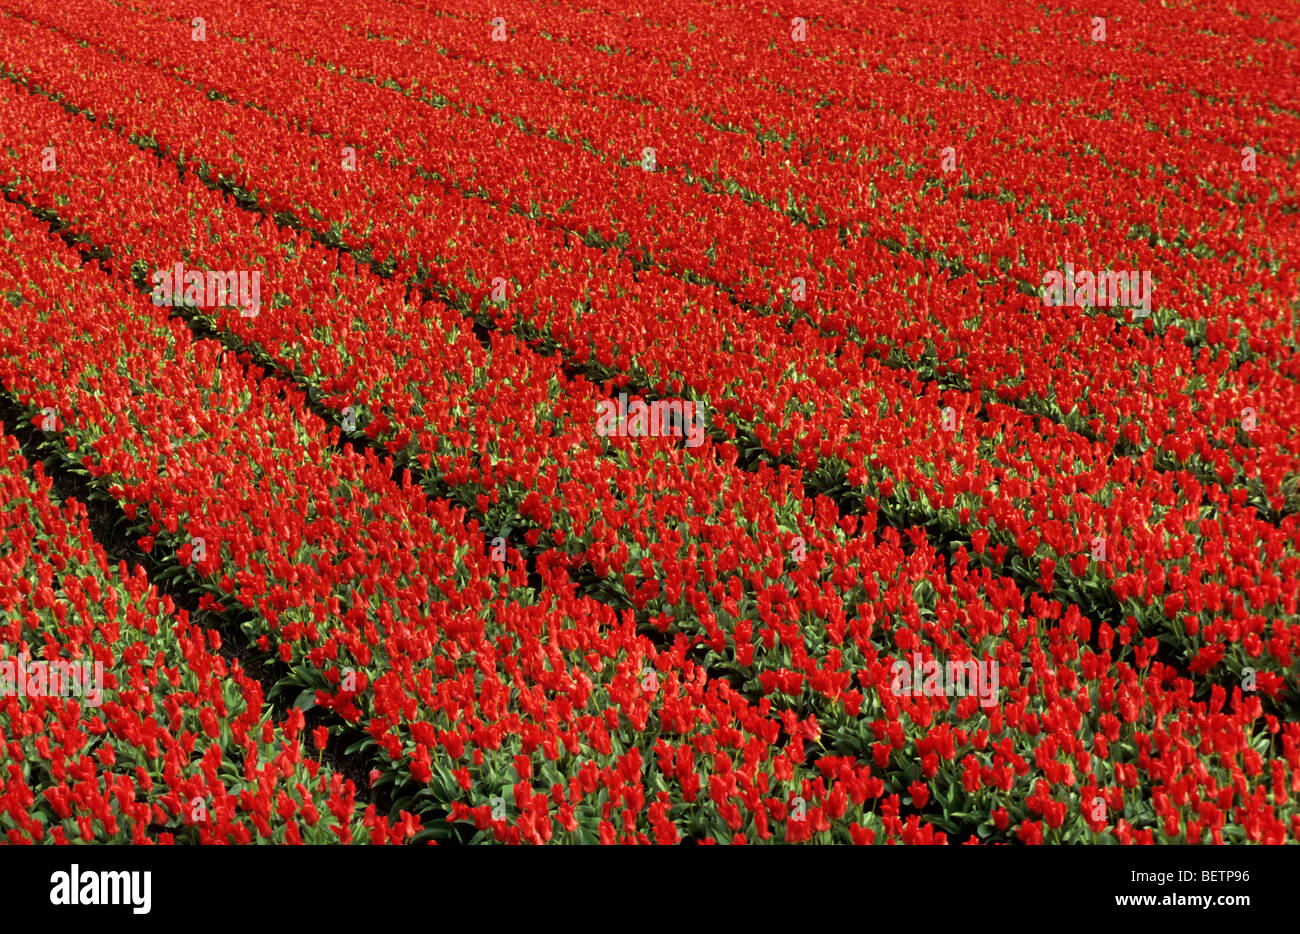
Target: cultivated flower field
[579,422]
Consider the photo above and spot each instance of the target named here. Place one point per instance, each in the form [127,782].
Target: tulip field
[712,422]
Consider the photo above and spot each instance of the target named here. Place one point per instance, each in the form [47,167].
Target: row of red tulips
[164,742]
[803,635]
[1068,534]
[311,550]
[502,431]
[1151,396]
[789,681]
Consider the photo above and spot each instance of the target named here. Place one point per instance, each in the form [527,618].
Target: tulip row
[826,682]
[503,432]
[606,678]
[1132,411]
[1204,424]
[158,740]
[1069,540]
[526,97]
[727,633]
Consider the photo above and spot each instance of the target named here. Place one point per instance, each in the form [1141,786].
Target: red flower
[920,793]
